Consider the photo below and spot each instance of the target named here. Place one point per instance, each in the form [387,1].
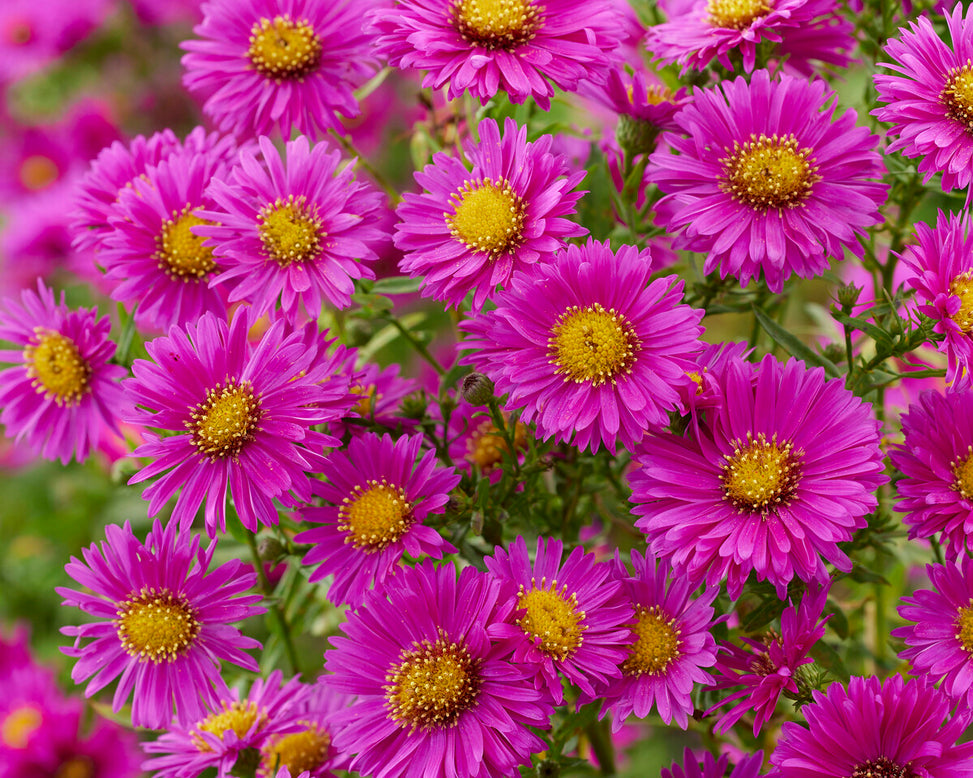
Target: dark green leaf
[793,345]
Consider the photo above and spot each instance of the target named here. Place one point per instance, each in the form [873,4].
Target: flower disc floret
[156,626]
[306,750]
[488,217]
[552,618]
[375,515]
[290,232]
[282,48]
[656,643]
[592,345]
[769,172]
[760,474]
[56,367]
[736,14]
[180,251]
[496,24]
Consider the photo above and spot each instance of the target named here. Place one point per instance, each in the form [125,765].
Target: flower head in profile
[378,494]
[588,346]
[472,227]
[768,484]
[767,192]
[164,622]
[672,649]
[60,394]
[893,727]
[928,96]
[524,47]
[572,617]
[284,65]
[239,417]
[711,767]
[433,692]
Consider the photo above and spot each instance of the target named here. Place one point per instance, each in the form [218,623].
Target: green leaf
[396,285]
[794,346]
[828,658]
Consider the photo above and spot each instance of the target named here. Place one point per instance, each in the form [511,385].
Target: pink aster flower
[571,615]
[240,418]
[770,483]
[673,644]
[940,637]
[936,463]
[761,190]
[591,349]
[711,767]
[285,65]
[165,622]
[942,266]
[294,228]
[61,395]
[435,695]
[475,443]
[767,668]
[379,493]
[728,29]
[379,392]
[471,227]
[881,728]
[524,47]
[928,97]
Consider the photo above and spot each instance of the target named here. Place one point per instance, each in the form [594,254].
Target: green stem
[601,744]
[496,416]
[348,146]
[417,345]
[283,629]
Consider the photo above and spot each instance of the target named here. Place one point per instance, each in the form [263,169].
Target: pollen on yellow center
[226,420]
[156,625]
[962,287]
[760,474]
[552,618]
[284,49]
[290,232]
[962,468]
[883,767]
[964,627]
[432,684]
[179,251]
[957,95]
[56,368]
[769,172]
[736,14]
[368,397]
[238,717]
[299,751]
[657,642]
[374,515]
[38,171]
[592,345]
[18,725]
[76,767]
[485,445]
[487,216]
[496,24]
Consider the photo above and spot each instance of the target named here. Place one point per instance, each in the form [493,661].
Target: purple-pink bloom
[164,622]
[711,767]
[379,494]
[61,395]
[475,223]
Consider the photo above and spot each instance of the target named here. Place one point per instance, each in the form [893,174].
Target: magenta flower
[472,227]
[928,97]
[711,767]
[766,668]
[380,493]
[524,47]
[769,483]
[591,349]
[61,395]
[673,645]
[475,443]
[294,228]
[434,693]
[379,392]
[760,190]
[882,728]
[571,616]
[240,418]
[165,622]
[942,266]
[940,639]
[285,65]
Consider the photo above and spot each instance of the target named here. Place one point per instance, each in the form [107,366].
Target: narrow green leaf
[793,345]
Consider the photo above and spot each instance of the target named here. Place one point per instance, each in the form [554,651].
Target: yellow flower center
[76,767]
[284,49]
[592,345]
[432,684]
[290,232]
[37,172]
[487,216]
[18,725]
[552,618]
[485,445]
[883,767]
[300,751]
[56,368]
[964,627]
[760,474]
[962,287]
[180,252]
[374,515]
[496,24]
[367,398]
[238,717]
[769,172]
[963,474]
[656,643]
[156,625]
[226,420]
[736,14]
[957,95]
